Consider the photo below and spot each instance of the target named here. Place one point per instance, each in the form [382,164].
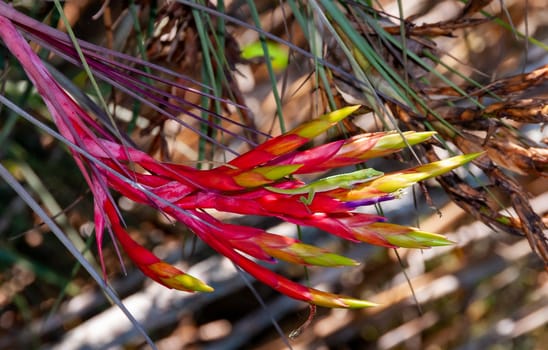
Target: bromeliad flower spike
[257,182]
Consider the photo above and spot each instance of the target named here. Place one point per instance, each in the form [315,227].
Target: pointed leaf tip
[264,175]
[172,277]
[430,239]
[324,122]
[276,172]
[445,165]
[340,114]
[188,282]
[301,253]
[330,260]
[418,137]
[358,303]
[394,181]
[470,157]
[330,300]
[418,240]
[401,140]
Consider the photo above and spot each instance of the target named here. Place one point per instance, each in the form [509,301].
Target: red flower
[242,186]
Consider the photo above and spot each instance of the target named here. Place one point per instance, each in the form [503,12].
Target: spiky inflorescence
[183,192]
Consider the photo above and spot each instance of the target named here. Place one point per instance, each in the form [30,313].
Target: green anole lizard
[330,183]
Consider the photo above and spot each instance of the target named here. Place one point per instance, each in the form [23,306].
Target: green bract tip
[189,283]
[397,140]
[358,303]
[324,122]
[445,165]
[320,298]
[276,172]
[418,240]
[330,260]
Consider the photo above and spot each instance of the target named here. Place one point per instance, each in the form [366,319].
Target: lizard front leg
[307,200]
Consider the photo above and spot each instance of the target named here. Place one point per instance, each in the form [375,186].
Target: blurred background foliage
[473,71]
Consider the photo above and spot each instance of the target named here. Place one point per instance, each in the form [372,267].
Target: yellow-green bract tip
[187,282]
[445,165]
[329,260]
[275,172]
[340,114]
[324,122]
[395,181]
[470,157]
[172,277]
[325,299]
[264,175]
[358,303]
[396,140]
[301,253]
[418,240]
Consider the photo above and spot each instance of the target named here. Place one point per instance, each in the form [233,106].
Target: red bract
[239,187]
